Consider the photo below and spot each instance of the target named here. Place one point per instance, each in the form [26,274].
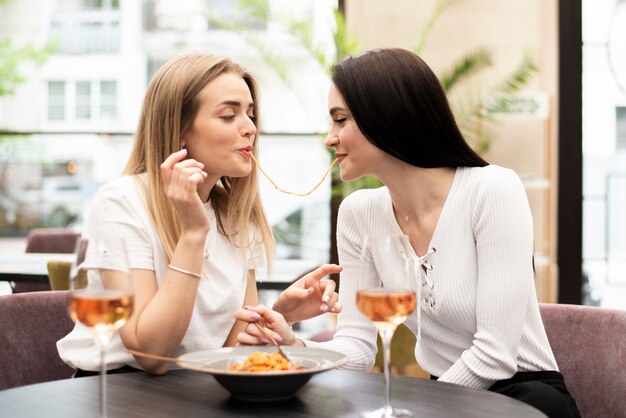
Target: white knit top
[479,317]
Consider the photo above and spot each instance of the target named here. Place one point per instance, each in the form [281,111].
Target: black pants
[544,390]
[124,369]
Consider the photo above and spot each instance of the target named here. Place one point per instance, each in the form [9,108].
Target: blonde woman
[189,210]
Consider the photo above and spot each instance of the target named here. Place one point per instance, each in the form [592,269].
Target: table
[184,393]
[284,273]
[29,271]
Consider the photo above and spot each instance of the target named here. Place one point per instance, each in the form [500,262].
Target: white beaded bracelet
[191,273]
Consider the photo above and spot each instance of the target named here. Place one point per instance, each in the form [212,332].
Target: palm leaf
[471,115]
[520,76]
[345,44]
[257,9]
[440,7]
[472,122]
[276,61]
[470,64]
[503,93]
[303,31]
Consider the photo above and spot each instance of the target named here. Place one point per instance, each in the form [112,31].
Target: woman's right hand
[181,178]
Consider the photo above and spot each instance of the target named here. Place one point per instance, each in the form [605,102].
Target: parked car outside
[55,201]
[15,217]
[8,211]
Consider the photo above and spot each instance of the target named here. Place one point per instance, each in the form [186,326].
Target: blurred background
[537,86]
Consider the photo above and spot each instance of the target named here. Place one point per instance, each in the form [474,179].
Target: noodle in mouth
[263,362]
[292,193]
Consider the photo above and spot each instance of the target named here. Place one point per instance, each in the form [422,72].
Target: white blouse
[479,319]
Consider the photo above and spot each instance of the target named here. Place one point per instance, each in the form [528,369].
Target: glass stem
[386,334]
[103,380]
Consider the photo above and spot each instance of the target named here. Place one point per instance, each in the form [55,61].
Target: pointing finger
[321,272]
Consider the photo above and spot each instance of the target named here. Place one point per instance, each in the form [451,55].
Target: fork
[273,341]
[176,360]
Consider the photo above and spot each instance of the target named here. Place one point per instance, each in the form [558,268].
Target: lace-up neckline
[418,268]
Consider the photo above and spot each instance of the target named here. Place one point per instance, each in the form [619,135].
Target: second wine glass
[101,295]
[387,308]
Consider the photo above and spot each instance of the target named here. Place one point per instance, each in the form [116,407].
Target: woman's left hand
[310,296]
[273,322]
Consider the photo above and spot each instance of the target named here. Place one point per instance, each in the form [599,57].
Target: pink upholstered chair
[51,240]
[589,344]
[30,325]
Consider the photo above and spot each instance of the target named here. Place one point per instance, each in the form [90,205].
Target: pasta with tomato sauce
[263,362]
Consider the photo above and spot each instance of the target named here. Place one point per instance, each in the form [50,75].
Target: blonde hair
[169,108]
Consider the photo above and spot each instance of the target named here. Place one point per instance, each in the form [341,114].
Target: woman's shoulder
[121,187]
[364,206]
[491,170]
[121,194]
[366,199]
[117,200]
[494,186]
[492,176]
[362,210]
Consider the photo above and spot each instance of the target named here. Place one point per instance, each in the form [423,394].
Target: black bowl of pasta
[257,373]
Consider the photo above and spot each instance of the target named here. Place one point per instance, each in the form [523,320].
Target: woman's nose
[331,140]
[249,129]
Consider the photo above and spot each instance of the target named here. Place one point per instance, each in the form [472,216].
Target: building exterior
[74,118]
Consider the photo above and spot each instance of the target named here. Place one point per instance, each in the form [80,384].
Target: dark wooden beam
[569,227]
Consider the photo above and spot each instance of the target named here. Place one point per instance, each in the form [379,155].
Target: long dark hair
[399,105]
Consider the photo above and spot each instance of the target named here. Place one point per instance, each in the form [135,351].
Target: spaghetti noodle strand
[292,193]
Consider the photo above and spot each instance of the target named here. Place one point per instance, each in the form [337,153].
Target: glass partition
[69,127]
[604,152]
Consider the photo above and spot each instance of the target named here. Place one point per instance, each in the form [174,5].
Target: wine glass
[101,295]
[388,308]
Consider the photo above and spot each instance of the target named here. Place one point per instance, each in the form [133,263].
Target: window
[85,26]
[83,100]
[604,143]
[92,101]
[620,128]
[85,117]
[100,4]
[153,66]
[108,100]
[56,100]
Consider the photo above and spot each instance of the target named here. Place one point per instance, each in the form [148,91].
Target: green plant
[344,44]
[468,108]
[13,58]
